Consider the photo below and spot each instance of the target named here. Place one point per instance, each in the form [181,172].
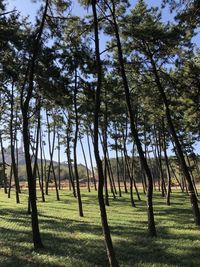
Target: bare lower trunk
[75,148]
[106,231]
[150,213]
[12,147]
[193,198]
[86,165]
[3,164]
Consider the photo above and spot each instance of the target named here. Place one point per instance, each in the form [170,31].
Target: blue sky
[28,7]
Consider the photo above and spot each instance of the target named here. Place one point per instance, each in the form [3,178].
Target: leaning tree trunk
[192,176]
[52,165]
[181,158]
[31,183]
[51,152]
[107,170]
[128,168]
[91,163]
[86,165]
[25,118]
[37,136]
[134,131]
[133,172]
[106,231]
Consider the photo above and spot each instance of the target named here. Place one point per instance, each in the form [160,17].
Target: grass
[72,241]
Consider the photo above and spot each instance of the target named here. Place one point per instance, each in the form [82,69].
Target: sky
[29,8]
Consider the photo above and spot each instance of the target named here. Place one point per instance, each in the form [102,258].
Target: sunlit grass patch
[72,241]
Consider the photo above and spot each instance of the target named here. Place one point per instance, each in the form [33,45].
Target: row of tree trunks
[181,158]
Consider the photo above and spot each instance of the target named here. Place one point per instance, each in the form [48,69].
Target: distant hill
[21,157]
[7,154]
[22,169]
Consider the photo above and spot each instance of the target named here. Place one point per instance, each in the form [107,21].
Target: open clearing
[72,241]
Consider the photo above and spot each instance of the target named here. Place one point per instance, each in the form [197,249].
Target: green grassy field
[72,241]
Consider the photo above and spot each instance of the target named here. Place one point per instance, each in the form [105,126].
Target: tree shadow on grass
[79,242]
[61,237]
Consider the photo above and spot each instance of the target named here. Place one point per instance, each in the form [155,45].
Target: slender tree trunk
[50,148]
[59,179]
[167,166]
[196,162]
[107,173]
[159,151]
[17,156]
[193,198]
[151,167]
[31,183]
[177,180]
[42,168]
[123,172]
[86,165]
[44,160]
[12,146]
[104,145]
[128,169]
[37,136]
[10,181]
[51,152]
[70,169]
[112,180]
[106,231]
[150,213]
[192,176]
[25,107]
[106,184]
[91,163]
[154,149]
[117,162]
[3,164]
[133,173]
[75,148]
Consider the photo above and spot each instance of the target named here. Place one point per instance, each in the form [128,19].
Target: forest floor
[72,241]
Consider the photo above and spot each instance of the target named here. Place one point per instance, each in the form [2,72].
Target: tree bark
[3,164]
[91,163]
[25,107]
[12,146]
[134,131]
[75,148]
[193,198]
[86,165]
[106,231]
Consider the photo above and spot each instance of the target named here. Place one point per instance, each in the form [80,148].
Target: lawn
[72,241]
